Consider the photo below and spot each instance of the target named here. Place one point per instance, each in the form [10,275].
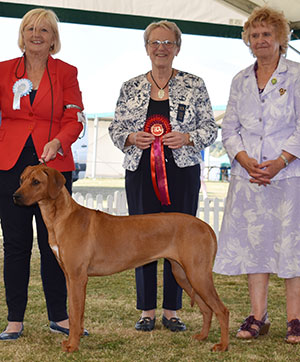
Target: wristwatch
[285,160]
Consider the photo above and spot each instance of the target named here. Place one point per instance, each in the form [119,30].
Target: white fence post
[94,161]
[110,204]
[99,202]
[216,210]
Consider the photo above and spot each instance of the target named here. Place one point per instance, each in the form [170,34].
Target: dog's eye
[35,182]
[21,181]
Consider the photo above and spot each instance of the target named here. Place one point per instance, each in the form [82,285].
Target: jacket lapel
[250,82]
[277,78]
[45,86]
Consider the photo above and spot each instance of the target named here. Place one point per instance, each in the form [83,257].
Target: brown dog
[88,242]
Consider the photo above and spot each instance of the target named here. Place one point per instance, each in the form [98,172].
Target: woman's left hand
[175,139]
[268,170]
[50,150]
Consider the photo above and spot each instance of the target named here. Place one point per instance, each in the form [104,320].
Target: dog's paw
[68,347]
[200,336]
[219,347]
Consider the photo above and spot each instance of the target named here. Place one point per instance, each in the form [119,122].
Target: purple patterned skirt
[260,230]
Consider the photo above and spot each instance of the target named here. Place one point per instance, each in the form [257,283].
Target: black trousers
[16,223]
[184,187]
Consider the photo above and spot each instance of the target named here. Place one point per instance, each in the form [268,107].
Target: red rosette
[158,125]
[157,120]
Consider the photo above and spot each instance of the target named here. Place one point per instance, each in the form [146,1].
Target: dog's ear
[55,182]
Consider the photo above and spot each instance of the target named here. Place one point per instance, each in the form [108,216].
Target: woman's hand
[262,173]
[175,139]
[249,164]
[252,167]
[269,170]
[50,150]
[144,140]
[140,139]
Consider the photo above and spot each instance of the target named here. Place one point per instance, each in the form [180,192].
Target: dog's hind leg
[203,286]
[206,311]
[76,287]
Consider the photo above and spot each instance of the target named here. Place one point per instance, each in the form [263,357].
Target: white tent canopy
[222,18]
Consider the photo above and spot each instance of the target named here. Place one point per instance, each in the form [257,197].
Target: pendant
[161,94]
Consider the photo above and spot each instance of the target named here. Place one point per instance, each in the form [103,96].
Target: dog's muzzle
[17,198]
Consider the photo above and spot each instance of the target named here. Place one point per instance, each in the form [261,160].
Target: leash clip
[42,161]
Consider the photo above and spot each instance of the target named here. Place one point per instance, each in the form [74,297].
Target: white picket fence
[209,210]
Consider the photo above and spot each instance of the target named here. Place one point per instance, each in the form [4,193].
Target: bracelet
[285,160]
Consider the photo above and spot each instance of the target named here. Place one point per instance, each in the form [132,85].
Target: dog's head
[38,183]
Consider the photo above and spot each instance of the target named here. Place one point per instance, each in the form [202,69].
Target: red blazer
[17,125]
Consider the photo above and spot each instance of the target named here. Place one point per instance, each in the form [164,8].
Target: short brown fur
[88,242]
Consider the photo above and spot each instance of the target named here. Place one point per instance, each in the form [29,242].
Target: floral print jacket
[190,112]
[264,124]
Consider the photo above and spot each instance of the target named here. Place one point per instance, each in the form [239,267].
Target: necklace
[161,92]
[24,71]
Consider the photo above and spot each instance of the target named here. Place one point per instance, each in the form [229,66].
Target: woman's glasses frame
[166,43]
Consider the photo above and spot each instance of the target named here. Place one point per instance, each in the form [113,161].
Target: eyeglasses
[156,43]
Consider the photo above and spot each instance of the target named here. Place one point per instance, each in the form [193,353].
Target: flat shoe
[5,336]
[173,324]
[55,328]
[145,324]
[294,330]
[263,326]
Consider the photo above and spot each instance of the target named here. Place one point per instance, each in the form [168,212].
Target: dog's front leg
[76,287]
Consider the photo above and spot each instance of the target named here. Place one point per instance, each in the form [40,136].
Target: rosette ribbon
[158,126]
[21,88]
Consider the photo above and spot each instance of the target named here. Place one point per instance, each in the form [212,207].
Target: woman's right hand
[50,150]
[142,140]
[251,166]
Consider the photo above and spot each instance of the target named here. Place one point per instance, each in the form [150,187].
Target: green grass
[110,316]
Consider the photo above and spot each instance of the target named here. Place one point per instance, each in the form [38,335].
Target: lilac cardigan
[264,124]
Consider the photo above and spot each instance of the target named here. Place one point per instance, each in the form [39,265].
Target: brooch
[21,88]
[282,91]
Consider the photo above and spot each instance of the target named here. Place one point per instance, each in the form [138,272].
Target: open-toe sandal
[263,326]
[293,330]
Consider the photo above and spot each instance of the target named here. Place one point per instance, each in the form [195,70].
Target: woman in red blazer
[41,107]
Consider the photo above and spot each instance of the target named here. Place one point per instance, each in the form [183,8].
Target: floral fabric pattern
[185,90]
[260,232]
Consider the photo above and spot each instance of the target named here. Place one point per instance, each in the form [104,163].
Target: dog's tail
[192,297]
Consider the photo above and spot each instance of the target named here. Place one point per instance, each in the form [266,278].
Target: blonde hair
[165,24]
[37,15]
[270,17]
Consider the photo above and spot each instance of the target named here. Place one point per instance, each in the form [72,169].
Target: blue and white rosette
[21,88]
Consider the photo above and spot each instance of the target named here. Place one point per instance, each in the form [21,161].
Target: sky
[107,56]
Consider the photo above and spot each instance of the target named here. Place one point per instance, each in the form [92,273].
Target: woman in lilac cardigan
[260,233]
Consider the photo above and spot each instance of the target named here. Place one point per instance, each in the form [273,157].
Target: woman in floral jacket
[260,233]
[163,120]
